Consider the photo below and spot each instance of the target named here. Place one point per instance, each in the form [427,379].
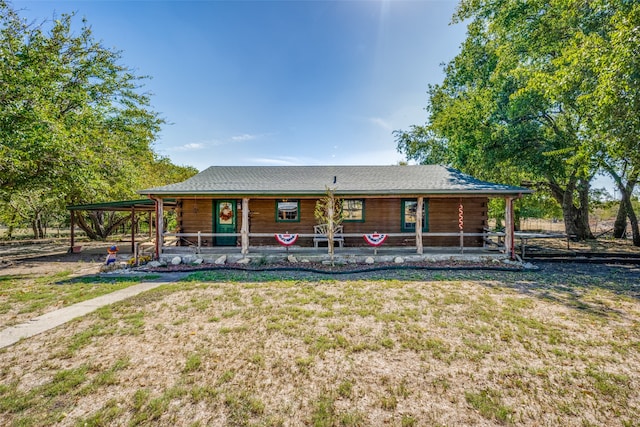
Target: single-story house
[412,205]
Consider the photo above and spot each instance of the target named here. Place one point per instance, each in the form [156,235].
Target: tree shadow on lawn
[564,283]
[12,277]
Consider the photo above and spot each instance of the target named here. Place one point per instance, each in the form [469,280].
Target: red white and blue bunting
[286,239]
[375,239]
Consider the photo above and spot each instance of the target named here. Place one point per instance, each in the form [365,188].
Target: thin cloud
[244,137]
[193,146]
[381,123]
[277,161]
[251,136]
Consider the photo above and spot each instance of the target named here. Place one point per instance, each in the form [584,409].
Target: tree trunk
[620,225]
[97,219]
[584,227]
[82,223]
[330,228]
[100,230]
[11,226]
[36,226]
[576,218]
[628,208]
[41,232]
[635,231]
[113,224]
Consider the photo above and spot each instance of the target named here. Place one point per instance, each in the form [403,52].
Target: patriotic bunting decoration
[286,239]
[375,239]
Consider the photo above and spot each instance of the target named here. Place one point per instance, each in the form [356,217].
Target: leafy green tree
[511,104]
[75,125]
[99,224]
[35,209]
[613,55]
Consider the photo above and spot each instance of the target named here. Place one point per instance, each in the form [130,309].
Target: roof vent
[335,179]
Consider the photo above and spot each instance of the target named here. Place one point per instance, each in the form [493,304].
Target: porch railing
[486,235]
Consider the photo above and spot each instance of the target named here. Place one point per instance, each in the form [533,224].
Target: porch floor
[348,255]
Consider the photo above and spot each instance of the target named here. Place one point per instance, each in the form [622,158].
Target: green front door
[225,221]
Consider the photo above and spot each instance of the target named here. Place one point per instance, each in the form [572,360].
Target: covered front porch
[249,243]
[260,255]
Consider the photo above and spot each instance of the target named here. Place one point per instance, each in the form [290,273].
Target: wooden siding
[262,219]
[443,218]
[196,215]
[382,215]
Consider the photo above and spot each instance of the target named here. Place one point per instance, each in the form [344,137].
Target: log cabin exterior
[245,206]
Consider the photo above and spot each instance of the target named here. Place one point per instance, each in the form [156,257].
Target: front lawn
[427,348]
[25,296]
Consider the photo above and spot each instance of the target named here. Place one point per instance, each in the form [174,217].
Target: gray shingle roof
[312,180]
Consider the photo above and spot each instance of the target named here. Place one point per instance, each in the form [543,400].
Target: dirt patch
[53,257]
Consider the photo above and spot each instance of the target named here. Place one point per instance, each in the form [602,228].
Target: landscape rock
[244,261]
[221,260]
[398,260]
[292,259]
[369,260]
[154,264]
[176,260]
[110,267]
[198,261]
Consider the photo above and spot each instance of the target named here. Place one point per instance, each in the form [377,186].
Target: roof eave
[501,192]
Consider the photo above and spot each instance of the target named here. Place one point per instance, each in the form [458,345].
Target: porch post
[509,228]
[244,230]
[133,229]
[461,224]
[159,227]
[419,207]
[150,225]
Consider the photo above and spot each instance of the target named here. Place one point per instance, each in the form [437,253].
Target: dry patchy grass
[440,349]
[25,296]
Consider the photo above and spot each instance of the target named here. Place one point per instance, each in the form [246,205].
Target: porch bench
[320,234]
[487,240]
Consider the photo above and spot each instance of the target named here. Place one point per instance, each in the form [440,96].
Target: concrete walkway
[53,319]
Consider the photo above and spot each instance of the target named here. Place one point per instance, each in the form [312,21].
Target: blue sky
[277,82]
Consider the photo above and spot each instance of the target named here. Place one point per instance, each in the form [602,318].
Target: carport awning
[123,205]
[139,205]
